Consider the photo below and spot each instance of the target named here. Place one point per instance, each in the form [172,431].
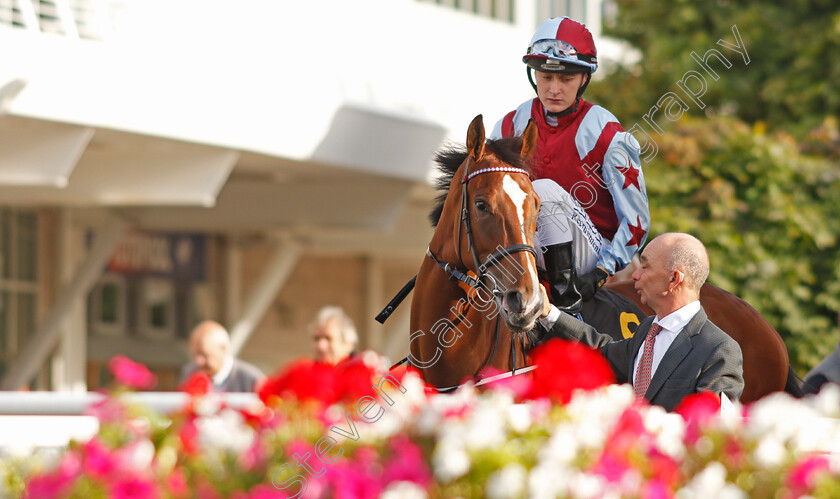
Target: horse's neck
[450,310]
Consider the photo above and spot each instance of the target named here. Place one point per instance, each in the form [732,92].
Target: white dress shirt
[671,325]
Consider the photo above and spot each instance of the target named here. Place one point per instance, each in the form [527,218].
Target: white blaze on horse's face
[518,197]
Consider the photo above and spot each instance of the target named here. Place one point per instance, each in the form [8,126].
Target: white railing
[30,420]
[75,404]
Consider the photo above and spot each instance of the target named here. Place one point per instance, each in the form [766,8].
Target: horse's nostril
[513,301]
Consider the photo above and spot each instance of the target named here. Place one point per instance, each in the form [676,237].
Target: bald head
[210,346]
[688,255]
[673,268]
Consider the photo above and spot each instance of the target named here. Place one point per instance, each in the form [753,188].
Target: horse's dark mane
[449,159]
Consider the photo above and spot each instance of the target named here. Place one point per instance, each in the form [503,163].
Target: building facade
[168,161]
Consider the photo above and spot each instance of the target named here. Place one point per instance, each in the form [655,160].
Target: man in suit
[210,348]
[678,351]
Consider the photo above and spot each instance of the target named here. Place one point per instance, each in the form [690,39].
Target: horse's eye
[481,206]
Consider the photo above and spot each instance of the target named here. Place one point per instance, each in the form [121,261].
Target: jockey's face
[558,91]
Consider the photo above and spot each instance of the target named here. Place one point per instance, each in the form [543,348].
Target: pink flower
[176,484]
[803,476]
[131,374]
[406,464]
[99,461]
[58,483]
[260,492]
[612,469]
[134,488]
[655,489]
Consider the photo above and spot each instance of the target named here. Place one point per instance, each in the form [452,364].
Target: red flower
[198,384]
[698,409]
[302,380]
[189,437]
[564,366]
[354,380]
[308,380]
[131,374]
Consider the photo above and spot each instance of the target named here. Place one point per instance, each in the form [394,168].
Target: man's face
[557,91]
[330,347]
[651,278]
[208,355]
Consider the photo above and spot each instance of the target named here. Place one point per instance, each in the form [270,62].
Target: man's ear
[677,278]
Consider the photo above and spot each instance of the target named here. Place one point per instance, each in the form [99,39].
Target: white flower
[433,415]
[711,482]
[586,485]
[224,431]
[547,481]
[208,404]
[770,452]
[507,482]
[450,460]
[667,428]
[519,417]
[485,426]
[137,456]
[404,490]
[562,447]
[827,401]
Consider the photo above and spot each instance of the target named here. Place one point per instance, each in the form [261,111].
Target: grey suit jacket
[242,378]
[702,357]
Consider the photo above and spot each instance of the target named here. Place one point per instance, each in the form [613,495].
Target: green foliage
[792,47]
[768,216]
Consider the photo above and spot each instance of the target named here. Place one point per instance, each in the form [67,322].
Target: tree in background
[754,174]
[793,47]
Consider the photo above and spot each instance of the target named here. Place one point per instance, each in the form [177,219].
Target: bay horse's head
[491,209]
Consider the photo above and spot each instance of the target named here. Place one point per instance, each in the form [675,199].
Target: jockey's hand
[588,283]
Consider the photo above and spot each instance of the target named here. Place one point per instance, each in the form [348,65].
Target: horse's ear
[475,138]
[529,140]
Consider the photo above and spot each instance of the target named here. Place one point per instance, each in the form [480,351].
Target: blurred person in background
[334,336]
[211,352]
[827,371]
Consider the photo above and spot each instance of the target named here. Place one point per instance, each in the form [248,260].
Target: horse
[479,279]
[480,272]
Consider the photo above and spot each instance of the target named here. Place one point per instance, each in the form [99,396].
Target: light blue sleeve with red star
[622,173]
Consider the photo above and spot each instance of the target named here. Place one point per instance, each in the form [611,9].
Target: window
[108,305]
[158,308]
[18,281]
[500,10]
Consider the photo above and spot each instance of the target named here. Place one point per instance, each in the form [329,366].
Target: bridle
[481,268]
[493,258]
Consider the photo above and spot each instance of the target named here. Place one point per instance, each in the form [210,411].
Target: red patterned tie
[642,379]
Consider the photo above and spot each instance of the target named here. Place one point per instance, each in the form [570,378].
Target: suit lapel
[675,354]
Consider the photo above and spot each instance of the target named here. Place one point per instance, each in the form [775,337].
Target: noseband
[493,258]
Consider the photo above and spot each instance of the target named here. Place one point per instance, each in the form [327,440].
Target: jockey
[594,214]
